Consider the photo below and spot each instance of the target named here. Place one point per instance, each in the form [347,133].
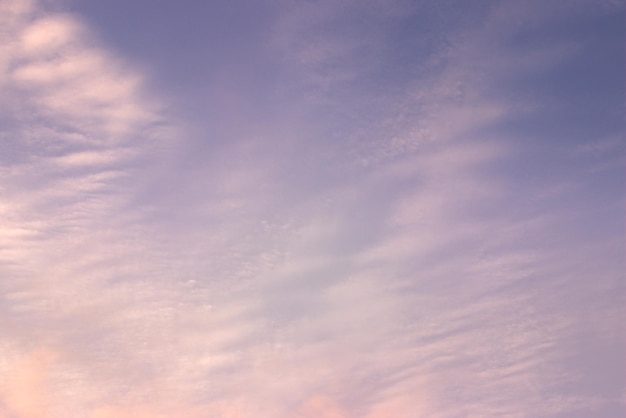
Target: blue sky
[330,209]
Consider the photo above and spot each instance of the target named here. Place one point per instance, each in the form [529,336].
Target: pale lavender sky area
[312,209]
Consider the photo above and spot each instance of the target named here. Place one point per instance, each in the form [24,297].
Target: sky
[312,209]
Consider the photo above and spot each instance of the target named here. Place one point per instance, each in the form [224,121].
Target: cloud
[78,123]
[388,265]
[67,76]
[25,391]
[318,406]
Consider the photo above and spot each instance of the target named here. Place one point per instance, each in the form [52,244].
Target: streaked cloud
[391,245]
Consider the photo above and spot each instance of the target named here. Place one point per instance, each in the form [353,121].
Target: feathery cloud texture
[355,209]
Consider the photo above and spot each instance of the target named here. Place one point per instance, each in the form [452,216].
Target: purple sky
[312,209]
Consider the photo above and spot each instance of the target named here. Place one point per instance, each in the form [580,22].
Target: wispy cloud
[391,262]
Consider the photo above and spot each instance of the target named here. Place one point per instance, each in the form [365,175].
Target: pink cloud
[25,392]
[319,406]
[144,411]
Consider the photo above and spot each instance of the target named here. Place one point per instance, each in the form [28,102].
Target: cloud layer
[410,231]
